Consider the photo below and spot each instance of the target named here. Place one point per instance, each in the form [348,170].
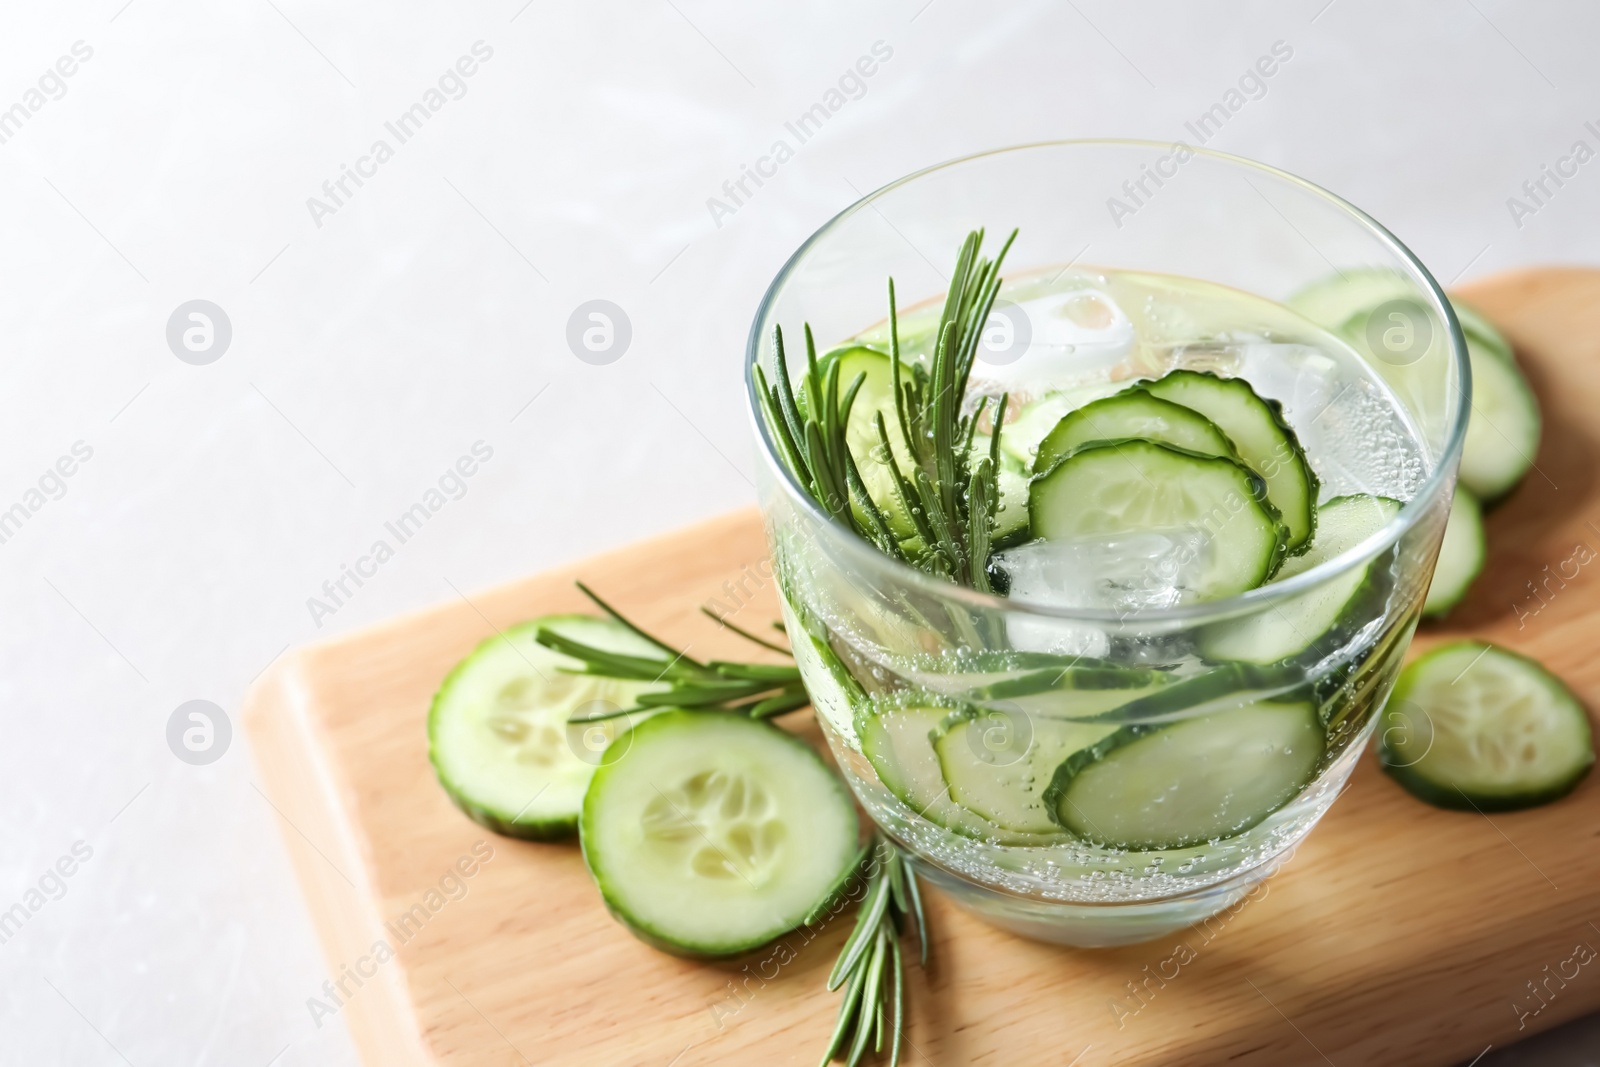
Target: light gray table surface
[376,337]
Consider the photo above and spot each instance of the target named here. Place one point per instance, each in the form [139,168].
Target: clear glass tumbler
[872,634]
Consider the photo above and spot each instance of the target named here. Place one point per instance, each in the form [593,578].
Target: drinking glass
[868,630]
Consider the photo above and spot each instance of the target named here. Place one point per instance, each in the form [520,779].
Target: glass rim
[1261,596]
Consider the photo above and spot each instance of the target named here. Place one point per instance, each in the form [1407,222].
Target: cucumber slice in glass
[1147,788]
[1461,555]
[1120,487]
[1322,620]
[498,735]
[1503,429]
[1078,692]
[1133,413]
[875,397]
[1265,443]
[1011,518]
[1474,726]
[1003,673]
[897,739]
[1225,686]
[713,834]
[998,763]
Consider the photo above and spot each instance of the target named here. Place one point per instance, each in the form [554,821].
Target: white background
[371,351]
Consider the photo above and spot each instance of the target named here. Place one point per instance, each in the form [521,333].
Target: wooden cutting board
[1398,934]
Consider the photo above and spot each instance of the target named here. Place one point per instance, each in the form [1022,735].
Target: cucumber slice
[1009,672]
[1461,555]
[1011,518]
[1079,692]
[1475,726]
[1265,443]
[1218,689]
[1332,301]
[1148,788]
[716,833]
[1133,413]
[875,396]
[1036,416]
[897,739]
[1323,619]
[1124,486]
[498,735]
[1342,303]
[1503,429]
[1479,330]
[1352,693]
[998,763]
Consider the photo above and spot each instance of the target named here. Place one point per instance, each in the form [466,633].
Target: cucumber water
[1168,442]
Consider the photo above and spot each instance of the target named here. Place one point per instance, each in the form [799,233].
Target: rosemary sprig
[953,485]
[759,690]
[813,442]
[951,491]
[870,968]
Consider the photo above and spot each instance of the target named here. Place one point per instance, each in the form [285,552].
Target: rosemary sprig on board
[759,690]
[951,490]
[870,968]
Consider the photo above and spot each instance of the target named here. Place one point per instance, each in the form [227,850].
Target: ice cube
[1125,572]
[1059,637]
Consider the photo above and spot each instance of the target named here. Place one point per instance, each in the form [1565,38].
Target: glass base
[1096,925]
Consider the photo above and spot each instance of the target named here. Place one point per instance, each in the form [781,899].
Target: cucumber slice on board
[1265,443]
[1147,788]
[1332,301]
[1323,619]
[897,739]
[998,763]
[1133,413]
[1473,726]
[1461,555]
[1135,486]
[714,834]
[1503,429]
[1343,303]
[1478,330]
[498,735]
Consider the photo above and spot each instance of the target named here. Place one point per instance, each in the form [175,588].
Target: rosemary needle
[759,690]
